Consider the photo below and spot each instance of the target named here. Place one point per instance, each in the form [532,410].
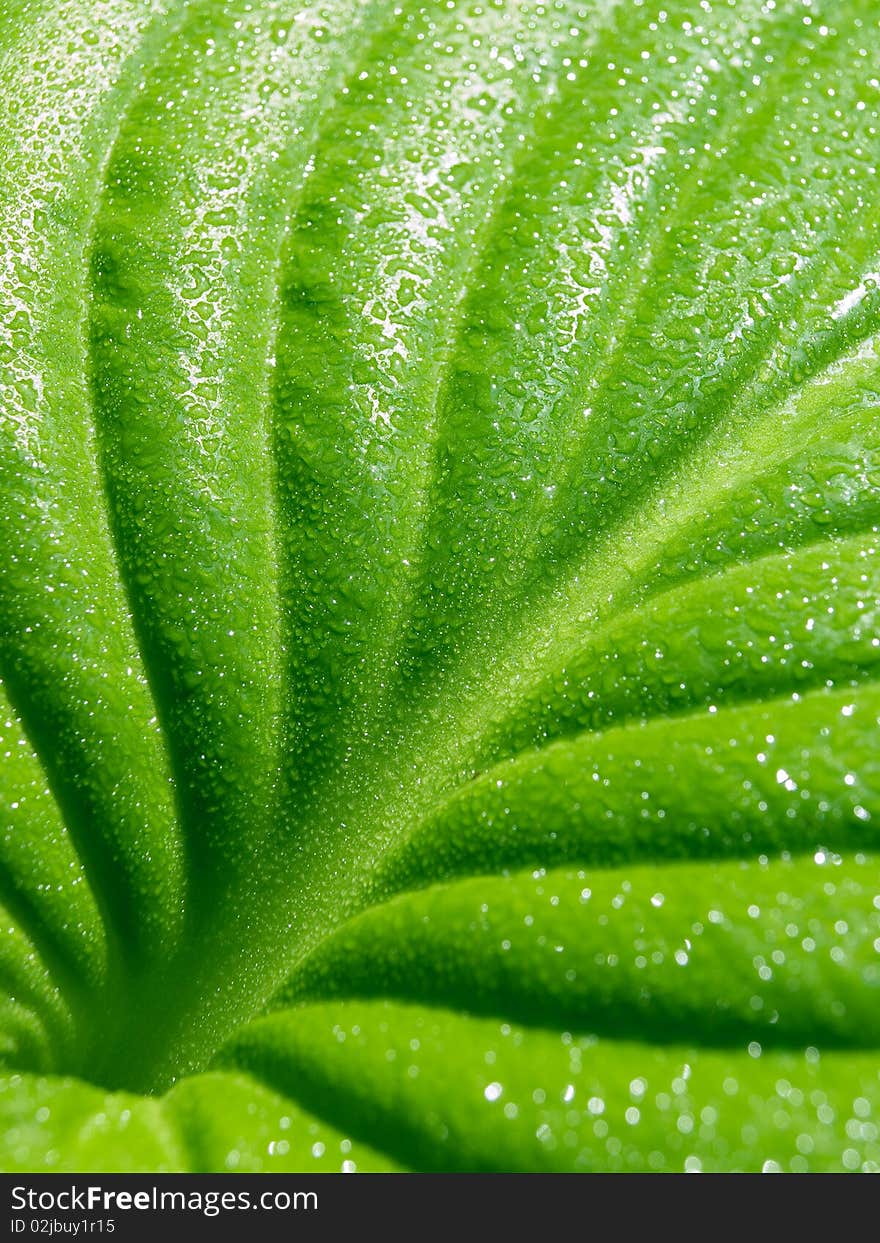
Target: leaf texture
[439,601]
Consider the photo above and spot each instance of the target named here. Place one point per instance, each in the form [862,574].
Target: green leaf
[440,478]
